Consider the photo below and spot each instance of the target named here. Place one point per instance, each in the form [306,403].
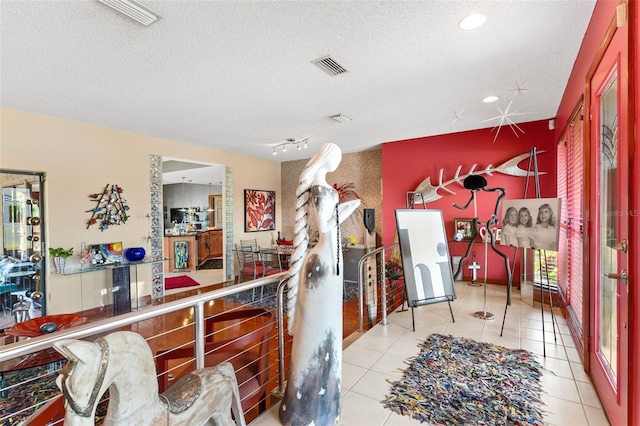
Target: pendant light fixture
[182,209]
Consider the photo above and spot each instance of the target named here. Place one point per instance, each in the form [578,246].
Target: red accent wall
[407,163]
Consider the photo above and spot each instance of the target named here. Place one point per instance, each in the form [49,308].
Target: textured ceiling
[237,75]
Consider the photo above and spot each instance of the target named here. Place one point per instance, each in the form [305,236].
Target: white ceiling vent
[329,65]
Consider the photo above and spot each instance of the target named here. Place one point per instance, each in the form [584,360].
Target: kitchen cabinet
[203,247]
[215,237]
[209,245]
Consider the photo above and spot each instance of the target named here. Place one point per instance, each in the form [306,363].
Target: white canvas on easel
[425,257]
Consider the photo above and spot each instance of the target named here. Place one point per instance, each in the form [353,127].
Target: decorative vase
[134,254]
[85,256]
[59,263]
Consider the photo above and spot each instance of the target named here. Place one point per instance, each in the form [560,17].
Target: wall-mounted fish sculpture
[426,192]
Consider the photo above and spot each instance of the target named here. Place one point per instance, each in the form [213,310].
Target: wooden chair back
[241,337]
[51,412]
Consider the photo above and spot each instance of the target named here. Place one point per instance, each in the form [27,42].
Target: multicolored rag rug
[458,381]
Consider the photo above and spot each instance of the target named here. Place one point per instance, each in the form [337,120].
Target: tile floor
[378,356]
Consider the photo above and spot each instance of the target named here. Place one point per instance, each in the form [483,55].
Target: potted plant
[60,255]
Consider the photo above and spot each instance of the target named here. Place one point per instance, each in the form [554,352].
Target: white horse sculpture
[123,363]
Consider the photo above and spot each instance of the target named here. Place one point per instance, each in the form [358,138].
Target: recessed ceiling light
[490,99]
[472,21]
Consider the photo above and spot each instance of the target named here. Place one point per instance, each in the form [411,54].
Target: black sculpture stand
[476,183]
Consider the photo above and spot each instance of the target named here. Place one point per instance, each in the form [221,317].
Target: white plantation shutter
[563,244]
[575,216]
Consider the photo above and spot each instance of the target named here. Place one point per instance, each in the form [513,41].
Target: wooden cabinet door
[203,247]
[216,243]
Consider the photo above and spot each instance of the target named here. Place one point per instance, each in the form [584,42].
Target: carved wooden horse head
[123,363]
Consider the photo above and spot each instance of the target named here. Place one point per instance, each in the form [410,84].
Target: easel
[410,203]
[533,162]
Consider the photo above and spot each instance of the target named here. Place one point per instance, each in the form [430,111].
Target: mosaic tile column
[228,225]
[155,224]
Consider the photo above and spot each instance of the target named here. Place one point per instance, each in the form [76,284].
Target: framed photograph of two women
[532,223]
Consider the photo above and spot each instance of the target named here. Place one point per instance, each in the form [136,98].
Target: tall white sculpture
[312,395]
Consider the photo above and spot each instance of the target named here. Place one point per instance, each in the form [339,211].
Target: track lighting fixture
[303,143]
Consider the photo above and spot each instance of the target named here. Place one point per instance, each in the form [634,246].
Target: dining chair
[241,337]
[285,249]
[250,266]
[248,262]
[253,243]
[271,261]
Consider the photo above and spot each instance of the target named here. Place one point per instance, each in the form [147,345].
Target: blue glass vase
[134,254]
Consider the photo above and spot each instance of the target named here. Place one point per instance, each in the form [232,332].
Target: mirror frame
[40,281]
[157,223]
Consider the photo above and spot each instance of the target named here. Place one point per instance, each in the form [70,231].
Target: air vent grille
[330,66]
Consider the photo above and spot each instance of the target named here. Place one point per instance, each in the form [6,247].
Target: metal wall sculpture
[426,191]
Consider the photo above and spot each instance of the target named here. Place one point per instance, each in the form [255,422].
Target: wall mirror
[192,207]
[22,268]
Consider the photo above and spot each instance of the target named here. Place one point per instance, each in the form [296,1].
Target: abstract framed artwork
[181,250]
[106,254]
[259,210]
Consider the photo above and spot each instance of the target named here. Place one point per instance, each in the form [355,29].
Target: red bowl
[31,328]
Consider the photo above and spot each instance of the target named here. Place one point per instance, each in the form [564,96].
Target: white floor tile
[362,357]
[509,342]
[589,395]
[407,345]
[560,412]
[560,387]
[360,410]
[400,420]
[573,355]
[375,385]
[389,363]
[378,343]
[596,416]
[379,355]
[578,372]
[350,374]
[568,341]
[552,350]
[556,367]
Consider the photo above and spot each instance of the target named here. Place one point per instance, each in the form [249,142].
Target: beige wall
[80,159]
[363,169]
